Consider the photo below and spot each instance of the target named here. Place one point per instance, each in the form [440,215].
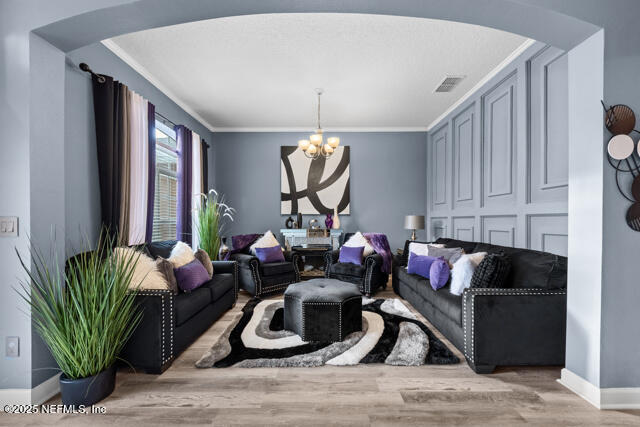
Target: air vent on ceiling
[449,83]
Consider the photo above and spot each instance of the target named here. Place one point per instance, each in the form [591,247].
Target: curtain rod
[85,67]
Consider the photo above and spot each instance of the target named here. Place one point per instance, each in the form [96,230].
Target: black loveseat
[524,324]
[260,279]
[369,277]
[170,323]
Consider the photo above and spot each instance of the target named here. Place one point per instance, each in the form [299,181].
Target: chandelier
[313,147]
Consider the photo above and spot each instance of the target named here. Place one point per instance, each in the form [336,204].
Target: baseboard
[601,398]
[31,396]
[46,390]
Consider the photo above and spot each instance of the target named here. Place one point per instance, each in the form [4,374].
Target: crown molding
[508,60]
[140,69]
[327,131]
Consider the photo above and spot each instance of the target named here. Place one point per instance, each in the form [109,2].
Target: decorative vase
[299,220]
[328,222]
[224,250]
[336,219]
[90,390]
[289,223]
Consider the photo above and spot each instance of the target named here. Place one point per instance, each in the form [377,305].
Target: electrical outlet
[12,348]
[8,226]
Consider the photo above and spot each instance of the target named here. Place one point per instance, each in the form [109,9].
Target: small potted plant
[84,315]
[210,222]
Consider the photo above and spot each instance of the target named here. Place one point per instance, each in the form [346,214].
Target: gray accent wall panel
[549,135]
[498,163]
[463,158]
[440,171]
[464,228]
[548,233]
[499,143]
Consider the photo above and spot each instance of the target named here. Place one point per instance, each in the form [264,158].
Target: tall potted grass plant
[85,315]
[211,220]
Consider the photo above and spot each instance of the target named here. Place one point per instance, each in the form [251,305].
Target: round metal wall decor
[620,147]
[635,188]
[619,119]
[633,216]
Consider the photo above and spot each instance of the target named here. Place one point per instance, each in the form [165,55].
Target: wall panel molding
[499,142]
[463,145]
[505,160]
[548,131]
[439,168]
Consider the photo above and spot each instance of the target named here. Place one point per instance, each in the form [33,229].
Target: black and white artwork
[314,187]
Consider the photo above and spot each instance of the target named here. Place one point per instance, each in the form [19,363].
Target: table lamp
[413,223]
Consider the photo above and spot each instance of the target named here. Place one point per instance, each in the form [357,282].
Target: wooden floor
[356,395]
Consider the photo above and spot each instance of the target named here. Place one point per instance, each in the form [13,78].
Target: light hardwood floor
[356,395]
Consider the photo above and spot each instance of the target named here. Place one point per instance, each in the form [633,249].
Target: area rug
[390,334]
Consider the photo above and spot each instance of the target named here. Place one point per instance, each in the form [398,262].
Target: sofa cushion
[276,268]
[532,269]
[190,304]
[162,248]
[492,272]
[219,285]
[443,300]
[348,269]
[468,247]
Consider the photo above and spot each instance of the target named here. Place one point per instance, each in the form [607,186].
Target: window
[166,201]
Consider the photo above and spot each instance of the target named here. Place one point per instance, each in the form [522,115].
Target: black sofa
[170,323]
[260,279]
[368,276]
[524,324]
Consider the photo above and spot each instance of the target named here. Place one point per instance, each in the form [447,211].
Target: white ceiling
[258,72]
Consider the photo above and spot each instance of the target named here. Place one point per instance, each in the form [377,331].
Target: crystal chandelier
[313,147]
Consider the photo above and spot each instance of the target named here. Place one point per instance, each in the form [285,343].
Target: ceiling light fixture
[313,147]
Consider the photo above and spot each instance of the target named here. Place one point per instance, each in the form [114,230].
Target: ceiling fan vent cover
[449,83]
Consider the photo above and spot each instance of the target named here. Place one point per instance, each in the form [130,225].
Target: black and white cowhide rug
[390,334]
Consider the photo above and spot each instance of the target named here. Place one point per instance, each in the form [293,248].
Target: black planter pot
[90,390]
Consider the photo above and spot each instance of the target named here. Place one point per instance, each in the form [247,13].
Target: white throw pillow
[181,254]
[268,240]
[462,271]
[421,249]
[358,240]
[145,274]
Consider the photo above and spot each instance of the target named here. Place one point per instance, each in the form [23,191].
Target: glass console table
[311,245]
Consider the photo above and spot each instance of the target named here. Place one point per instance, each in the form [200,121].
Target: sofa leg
[481,369]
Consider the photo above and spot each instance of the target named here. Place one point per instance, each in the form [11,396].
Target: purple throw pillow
[191,276]
[351,255]
[267,255]
[420,264]
[439,273]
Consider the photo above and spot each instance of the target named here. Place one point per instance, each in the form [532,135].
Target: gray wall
[81,173]
[385,176]
[497,165]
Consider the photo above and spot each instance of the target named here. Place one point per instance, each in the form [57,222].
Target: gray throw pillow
[451,255]
[166,268]
[202,256]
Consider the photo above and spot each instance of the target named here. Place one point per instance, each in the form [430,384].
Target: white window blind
[165,204]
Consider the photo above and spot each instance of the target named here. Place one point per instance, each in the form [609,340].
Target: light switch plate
[12,348]
[8,226]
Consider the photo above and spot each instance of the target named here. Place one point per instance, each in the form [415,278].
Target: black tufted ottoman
[325,310]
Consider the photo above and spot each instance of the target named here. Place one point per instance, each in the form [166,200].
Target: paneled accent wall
[498,163]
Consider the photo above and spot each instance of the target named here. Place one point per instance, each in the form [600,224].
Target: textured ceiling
[259,71]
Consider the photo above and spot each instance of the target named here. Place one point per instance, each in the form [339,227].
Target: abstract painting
[314,187]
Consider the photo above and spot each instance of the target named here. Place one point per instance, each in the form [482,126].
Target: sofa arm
[374,277]
[291,256]
[330,258]
[505,326]
[150,346]
[228,267]
[244,260]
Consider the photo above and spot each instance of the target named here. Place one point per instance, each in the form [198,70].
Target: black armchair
[368,276]
[262,279]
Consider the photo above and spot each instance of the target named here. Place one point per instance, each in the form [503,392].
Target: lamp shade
[414,222]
